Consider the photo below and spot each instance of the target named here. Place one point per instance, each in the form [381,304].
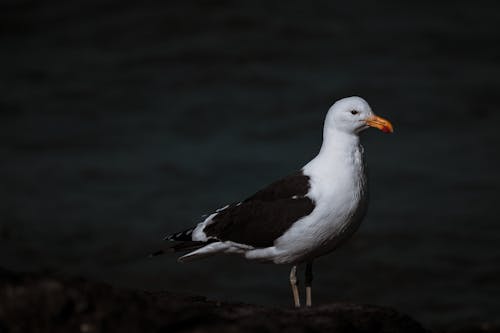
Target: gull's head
[353,115]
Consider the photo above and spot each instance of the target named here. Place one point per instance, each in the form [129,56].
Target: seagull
[302,216]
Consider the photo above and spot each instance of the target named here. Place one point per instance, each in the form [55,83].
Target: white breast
[338,188]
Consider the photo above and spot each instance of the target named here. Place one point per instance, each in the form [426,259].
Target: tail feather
[188,246]
[183,236]
[203,252]
[182,242]
[180,247]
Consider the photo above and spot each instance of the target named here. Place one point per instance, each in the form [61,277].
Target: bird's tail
[183,236]
[179,247]
[180,242]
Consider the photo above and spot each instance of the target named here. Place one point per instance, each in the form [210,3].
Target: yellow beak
[382,124]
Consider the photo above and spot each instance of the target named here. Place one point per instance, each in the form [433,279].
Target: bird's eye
[354,112]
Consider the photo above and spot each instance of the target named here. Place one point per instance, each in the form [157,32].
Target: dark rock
[40,303]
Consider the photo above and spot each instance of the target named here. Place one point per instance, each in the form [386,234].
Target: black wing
[266,215]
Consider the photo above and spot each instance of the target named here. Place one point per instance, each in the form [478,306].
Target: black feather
[181,247]
[266,215]
[183,236]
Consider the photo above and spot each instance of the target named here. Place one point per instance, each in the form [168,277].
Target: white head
[352,115]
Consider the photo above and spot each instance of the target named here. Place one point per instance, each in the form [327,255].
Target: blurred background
[123,121]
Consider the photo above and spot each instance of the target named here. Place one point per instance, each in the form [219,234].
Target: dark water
[122,122]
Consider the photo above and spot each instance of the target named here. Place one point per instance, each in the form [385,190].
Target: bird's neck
[339,143]
[339,150]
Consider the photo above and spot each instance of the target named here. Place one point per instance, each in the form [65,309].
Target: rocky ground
[44,303]
[36,303]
